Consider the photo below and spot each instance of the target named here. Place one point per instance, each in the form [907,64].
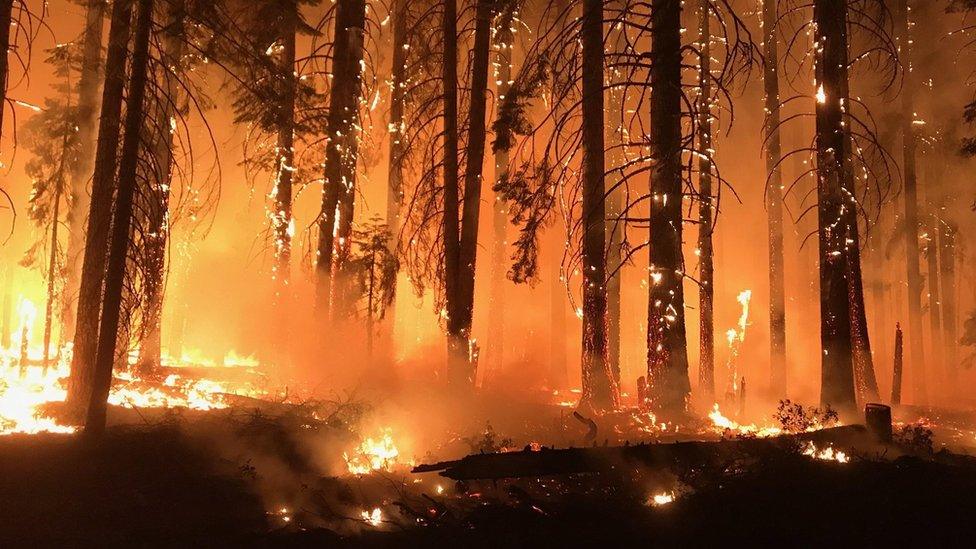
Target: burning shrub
[795,418]
[915,437]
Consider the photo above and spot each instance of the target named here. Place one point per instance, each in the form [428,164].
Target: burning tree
[853,175]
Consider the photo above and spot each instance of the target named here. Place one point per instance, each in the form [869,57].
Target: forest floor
[233,478]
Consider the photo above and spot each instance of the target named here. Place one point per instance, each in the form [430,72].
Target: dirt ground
[176,485]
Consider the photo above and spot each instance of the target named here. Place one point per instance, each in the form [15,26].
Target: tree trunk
[496,302]
[457,342]
[341,158]
[460,294]
[909,139]
[947,262]
[282,219]
[150,347]
[558,371]
[934,356]
[91,71]
[706,368]
[599,388]
[52,267]
[121,221]
[394,193]
[898,366]
[80,383]
[667,347]
[6,24]
[774,204]
[837,361]
[614,197]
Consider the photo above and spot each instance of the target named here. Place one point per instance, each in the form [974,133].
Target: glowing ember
[374,517]
[827,454]
[663,498]
[378,454]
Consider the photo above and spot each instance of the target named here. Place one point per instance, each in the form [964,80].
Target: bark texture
[667,347]
[121,221]
[80,383]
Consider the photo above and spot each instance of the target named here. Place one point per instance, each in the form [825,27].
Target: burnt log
[554,462]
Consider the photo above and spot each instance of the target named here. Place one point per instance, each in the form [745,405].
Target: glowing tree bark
[496,302]
[774,204]
[6,13]
[285,155]
[706,369]
[154,285]
[91,70]
[909,139]
[599,387]
[341,156]
[834,206]
[121,221]
[667,348]
[100,213]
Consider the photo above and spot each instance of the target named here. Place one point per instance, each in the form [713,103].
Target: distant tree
[52,138]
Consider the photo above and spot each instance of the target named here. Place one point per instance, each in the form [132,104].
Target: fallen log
[552,462]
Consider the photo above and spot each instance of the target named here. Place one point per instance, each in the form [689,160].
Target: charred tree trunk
[667,347]
[81,382]
[151,344]
[91,71]
[52,267]
[285,158]
[6,27]
[833,150]
[341,159]
[706,368]
[457,343]
[599,388]
[897,371]
[496,302]
[774,204]
[460,291]
[615,206]
[121,221]
[394,193]
[909,139]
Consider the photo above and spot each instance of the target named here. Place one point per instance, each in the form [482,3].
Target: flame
[723,424]
[26,386]
[374,517]
[827,454]
[821,95]
[378,454]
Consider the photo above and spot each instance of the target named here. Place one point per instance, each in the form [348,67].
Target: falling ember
[378,454]
[374,517]
[827,454]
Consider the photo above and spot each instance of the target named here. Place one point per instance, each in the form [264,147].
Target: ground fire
[487,273]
